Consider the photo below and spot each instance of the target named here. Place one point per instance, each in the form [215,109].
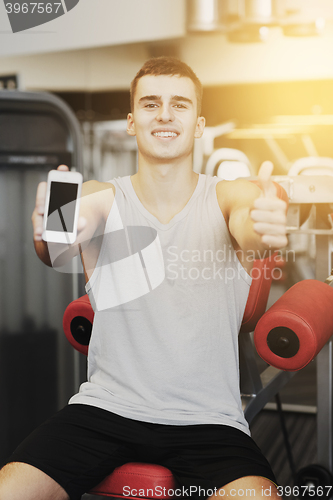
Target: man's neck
[164,189]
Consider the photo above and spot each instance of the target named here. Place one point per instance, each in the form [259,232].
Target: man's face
[164,118]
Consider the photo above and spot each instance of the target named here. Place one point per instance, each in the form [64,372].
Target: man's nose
[165,113]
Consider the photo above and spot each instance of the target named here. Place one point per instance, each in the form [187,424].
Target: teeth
[165,134]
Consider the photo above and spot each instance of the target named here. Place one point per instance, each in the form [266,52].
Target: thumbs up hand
[269,212]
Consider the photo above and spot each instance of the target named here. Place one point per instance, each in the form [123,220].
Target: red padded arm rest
[77,323]
[262,274]
[292,332]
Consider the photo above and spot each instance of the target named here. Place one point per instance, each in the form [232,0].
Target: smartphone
[62,206]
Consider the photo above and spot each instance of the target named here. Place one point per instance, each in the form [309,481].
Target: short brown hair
[169,66]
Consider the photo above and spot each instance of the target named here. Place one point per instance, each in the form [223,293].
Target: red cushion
[79,307]
[306,310]
[138,480]
[262,274]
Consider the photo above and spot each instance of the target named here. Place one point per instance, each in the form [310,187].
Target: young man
[169,296]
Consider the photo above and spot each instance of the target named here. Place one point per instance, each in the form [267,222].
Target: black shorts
[81,445]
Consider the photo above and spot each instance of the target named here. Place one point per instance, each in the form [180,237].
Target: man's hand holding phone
[56,215]
[66,219]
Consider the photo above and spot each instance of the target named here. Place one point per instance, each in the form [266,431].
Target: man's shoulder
[93,186]
[237,187]
[97,197]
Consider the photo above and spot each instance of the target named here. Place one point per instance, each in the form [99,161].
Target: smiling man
[163,383]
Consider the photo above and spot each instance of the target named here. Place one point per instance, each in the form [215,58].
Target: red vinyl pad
[126,481]
[77,321]
[262,274]
[292,332]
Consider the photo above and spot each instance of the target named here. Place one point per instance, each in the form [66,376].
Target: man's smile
[165,134]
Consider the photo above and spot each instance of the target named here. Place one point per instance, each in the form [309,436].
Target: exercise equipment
[228,164]
[316,191]
[313,189]
[312,165]
[38,131]
[314,480]
[293,331]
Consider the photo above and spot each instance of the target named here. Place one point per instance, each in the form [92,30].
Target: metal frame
[46,103]
[257,389]
[42,101]
[324,367]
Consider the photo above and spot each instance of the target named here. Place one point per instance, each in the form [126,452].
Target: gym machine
[38,132]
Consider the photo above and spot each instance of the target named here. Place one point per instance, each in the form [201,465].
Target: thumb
[265,179]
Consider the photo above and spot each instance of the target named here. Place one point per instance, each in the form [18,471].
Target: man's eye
[151,105]
[180,106]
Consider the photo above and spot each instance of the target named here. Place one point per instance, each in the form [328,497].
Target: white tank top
[169,301]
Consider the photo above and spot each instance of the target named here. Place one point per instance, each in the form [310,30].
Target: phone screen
[62,202]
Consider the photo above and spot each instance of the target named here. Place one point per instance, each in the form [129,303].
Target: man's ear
[201,122]
[130,125]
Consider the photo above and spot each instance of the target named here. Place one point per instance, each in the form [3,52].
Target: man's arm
[95,204]
[256,218]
